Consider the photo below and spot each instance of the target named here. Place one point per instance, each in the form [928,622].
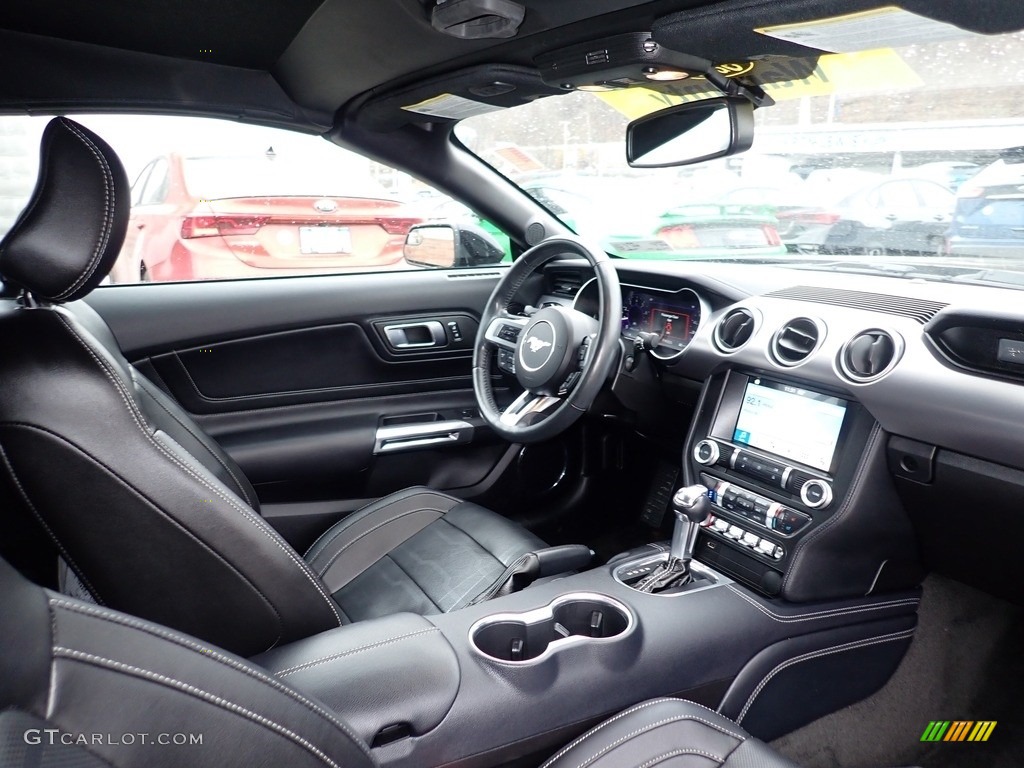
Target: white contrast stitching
[815,615]
[230,706]
[35,512]
[188,429]
[351,520]
[352,652]
[208,652]
[371,530]
[108,204]
[650,727]
[247,514]
[679,752]
[817,654]
[626,713]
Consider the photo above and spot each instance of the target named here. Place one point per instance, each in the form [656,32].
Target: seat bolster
[504,539]
[667,732]
[385,517]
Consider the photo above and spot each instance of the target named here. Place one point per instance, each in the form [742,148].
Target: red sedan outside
[215,217]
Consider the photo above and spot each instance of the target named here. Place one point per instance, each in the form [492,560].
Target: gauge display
[674,316]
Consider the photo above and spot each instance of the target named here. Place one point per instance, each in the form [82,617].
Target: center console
[785,462]
[792,563]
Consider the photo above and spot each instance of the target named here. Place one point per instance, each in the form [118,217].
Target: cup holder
[533,635]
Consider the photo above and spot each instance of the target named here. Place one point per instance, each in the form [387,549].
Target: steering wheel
[560,356]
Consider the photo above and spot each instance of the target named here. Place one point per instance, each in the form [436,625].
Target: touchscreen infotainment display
[790,421]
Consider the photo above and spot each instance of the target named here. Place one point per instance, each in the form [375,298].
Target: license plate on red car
[314,240]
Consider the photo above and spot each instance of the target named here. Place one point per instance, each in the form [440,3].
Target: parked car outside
[637,221]
[250,215]
[900,215]
[988,223]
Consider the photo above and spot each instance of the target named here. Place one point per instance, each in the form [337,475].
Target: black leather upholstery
[668,733]
[149,513]
[416,550]
[110,675]
[100,688]
[68,237]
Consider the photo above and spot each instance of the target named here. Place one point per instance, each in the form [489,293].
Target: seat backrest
[147,512]
[81,685]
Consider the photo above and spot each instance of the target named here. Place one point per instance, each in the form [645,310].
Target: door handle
[421,335]
[430,434]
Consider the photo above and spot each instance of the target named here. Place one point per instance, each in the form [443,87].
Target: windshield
[907,156]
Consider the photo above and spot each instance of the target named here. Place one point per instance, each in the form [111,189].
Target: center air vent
[869,355]
[796,340]
[734,330]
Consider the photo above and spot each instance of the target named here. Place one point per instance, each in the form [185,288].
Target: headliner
[298,62]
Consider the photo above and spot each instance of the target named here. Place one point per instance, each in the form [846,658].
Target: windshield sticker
[883,27]
[452,107]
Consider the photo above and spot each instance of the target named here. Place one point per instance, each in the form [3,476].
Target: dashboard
[806,373]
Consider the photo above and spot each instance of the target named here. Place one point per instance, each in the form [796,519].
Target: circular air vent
[796,340]
[734,330]
[870,355]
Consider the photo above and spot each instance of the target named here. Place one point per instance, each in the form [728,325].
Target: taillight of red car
[396,225]
[771,234]
[225,224]
[679,237]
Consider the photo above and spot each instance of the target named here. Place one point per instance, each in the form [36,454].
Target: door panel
[318,364]
[294,377]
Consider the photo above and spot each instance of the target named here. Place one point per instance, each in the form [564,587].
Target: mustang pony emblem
[536,345]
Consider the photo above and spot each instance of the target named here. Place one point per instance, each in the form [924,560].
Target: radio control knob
[816,494]
[706,452]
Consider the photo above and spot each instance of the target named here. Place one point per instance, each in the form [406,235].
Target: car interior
[540,499]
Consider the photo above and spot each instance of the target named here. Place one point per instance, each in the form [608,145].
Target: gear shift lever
[692,507]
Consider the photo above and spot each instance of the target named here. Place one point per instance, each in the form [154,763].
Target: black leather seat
[84,671]
[149,514]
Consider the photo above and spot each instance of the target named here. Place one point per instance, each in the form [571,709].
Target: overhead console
[796,478]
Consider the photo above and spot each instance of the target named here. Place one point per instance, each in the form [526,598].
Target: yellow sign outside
[843,73]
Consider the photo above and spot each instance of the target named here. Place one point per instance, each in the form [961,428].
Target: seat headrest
[70,233]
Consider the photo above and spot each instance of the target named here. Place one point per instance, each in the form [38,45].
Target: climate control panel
[814,492]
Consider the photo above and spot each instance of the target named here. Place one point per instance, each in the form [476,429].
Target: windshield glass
[906,156]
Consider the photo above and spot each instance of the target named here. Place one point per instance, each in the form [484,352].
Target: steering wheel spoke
[526,405]
[504,330]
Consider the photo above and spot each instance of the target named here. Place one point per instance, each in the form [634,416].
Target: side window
[219,200]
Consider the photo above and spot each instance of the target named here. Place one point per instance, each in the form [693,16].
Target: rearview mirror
[446,245]
[690,133]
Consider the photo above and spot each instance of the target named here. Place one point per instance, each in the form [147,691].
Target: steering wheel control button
[816,494]
[706,452]
[507,360]
[509,333]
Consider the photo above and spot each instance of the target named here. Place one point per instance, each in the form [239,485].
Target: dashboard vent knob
[869,355]
[796,340]
[734,330]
